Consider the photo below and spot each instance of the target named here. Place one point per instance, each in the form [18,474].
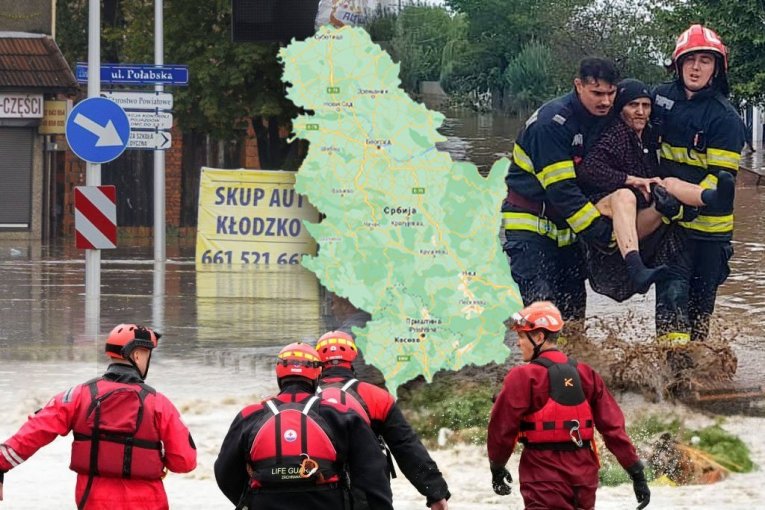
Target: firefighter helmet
[125,338]
[700,38]
[336,347]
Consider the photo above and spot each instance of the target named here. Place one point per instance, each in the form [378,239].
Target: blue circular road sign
[97,130]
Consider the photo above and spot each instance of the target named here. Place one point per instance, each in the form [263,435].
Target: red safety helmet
[540,315]
[124,338]
[300,360]
[699,38]
[336,347]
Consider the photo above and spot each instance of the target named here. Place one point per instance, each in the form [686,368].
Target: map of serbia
[409,236]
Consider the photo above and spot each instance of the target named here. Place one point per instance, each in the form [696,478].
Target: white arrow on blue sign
[97,130]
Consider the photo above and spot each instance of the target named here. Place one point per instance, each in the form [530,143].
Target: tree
[498,30]
[626,33]
[529,78]
[740,24]
[421,34]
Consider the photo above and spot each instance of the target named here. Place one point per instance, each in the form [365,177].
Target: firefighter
[552,406]
[127,435]
[545,209]
[295,451]
[338,382]
[702,137]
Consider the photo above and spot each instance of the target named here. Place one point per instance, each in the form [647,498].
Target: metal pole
[159,156]
[93,174]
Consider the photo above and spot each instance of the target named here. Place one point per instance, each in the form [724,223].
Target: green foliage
[528,77]
[740,24]
[627,33]
[441,404]
[725,448]
[421,33]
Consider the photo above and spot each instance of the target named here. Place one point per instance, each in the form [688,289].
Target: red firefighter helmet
[700,38]
[336,347]
[124,338]
[300,360]
[538,315]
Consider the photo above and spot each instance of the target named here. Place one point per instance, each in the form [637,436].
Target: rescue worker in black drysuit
[702,135]
[338,382]
[545,210]
[296,451]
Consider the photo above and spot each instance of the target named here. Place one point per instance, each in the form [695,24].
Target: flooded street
[225,318]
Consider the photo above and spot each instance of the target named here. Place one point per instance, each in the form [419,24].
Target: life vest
[345,393]
[115,434]
[292,448]
[565,421]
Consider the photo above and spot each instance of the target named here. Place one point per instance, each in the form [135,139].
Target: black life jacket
[293,448]
[565,421]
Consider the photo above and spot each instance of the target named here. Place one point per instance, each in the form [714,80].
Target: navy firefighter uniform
[701,136]
[296,450]
[545,209]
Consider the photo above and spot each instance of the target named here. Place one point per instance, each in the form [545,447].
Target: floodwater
[228,319]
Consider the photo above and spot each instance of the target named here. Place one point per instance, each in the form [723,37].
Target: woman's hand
[642,184]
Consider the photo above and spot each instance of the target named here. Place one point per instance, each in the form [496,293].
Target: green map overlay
[409,236]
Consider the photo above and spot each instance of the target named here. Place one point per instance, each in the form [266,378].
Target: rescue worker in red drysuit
[552,405]
[105,415]
[337,351]
[295,451]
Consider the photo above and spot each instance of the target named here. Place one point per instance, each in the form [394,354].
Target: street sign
[141,100]
[97,130]
[137,74]
[150,140]
[95,217]
[150,120]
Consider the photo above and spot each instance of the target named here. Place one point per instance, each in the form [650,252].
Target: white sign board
[21,106]
[141,100]
[150,140]
[150,120]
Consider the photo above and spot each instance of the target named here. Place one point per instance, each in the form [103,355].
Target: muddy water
[232,319]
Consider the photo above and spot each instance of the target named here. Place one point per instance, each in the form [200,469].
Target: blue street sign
[97,130]
[137,74]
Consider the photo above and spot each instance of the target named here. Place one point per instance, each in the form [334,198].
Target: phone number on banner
[249,257]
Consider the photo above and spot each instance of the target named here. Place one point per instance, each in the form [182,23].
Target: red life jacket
[115,434]
[292,448]
[565,421]
[345,393]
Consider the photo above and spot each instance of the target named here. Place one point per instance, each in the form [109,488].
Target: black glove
[639,485]
[501,480]
[600,234]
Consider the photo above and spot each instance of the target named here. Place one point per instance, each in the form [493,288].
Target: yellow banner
[251,217]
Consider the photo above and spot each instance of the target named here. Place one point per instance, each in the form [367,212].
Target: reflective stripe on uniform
[583,218]
[542,226]
[11,456]
[710,224]
[560,171]
[674,338]
[680,155]
[709,182]
[726,159]
[522,159]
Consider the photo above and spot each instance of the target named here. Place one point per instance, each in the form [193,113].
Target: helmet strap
[537,346]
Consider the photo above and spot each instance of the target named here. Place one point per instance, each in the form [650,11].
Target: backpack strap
[544,362]
[348,384]
[272,407]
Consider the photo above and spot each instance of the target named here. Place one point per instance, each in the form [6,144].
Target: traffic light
[273,20]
